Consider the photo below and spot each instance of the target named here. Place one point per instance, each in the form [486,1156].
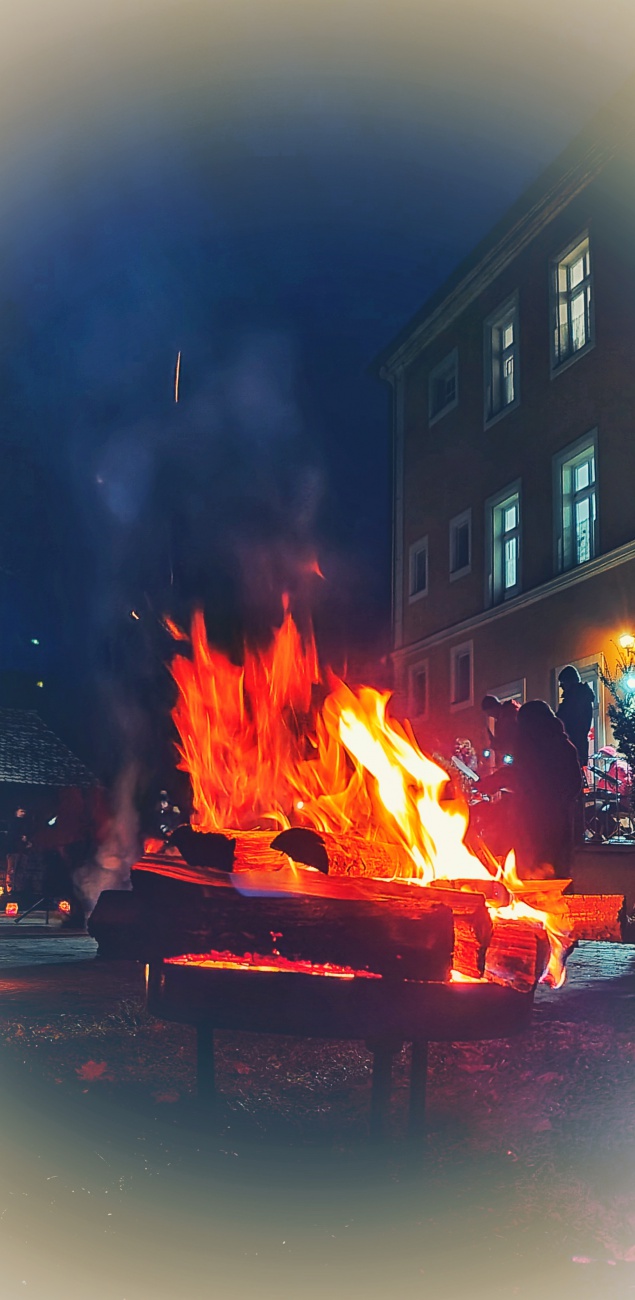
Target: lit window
[418,692]
[443,387]
[501,360]
[460,544]
[461,683]
[418,576]
[576,504]
[503,537]
[571,289]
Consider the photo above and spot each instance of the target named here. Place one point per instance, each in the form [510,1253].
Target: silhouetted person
[546,781]
[505,714]
[576,710]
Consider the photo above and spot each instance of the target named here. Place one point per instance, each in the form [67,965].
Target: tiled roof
[31,754]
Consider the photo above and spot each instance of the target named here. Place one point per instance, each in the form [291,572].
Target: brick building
[514,449]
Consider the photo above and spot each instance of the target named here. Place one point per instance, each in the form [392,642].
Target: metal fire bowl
[322,1006]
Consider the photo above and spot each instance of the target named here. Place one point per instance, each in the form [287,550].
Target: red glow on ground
[257,962]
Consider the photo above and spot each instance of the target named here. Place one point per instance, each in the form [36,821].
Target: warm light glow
[64,906]
[253,961]
[11,909]
[626,641]
[265,747]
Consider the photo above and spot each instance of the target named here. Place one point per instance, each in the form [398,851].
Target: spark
[177,376]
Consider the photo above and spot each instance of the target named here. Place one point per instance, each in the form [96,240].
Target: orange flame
[276,742]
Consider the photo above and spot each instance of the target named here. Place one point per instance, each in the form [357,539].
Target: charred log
[517,955]
[166,918]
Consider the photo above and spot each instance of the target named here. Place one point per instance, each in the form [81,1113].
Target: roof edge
[570,172]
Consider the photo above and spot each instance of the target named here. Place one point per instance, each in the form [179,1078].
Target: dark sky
[276,212]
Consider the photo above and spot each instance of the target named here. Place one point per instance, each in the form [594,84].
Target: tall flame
[276,742]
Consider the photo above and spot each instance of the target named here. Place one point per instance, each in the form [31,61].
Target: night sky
[272,192]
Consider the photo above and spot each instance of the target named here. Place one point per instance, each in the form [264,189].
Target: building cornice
[552,201]
[572,578]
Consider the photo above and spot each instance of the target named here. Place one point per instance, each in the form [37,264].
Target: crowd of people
[534,777]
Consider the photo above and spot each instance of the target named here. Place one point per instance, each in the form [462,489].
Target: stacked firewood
[343,901]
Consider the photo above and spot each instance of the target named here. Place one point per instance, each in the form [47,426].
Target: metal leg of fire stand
[205,1071]
[383,1053]
[418,1085]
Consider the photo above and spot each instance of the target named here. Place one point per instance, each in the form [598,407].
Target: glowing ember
[276,742]
[11,909]
[64,906]
[253,961]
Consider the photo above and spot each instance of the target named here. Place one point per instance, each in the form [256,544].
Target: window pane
[510,517]
[508,381]
[578,321]
[420,692]
[582,478]
[443,388]
[460,547]
[510,563]
[462,677]
[583,530]
[576,272]
[419,571]
[508,334]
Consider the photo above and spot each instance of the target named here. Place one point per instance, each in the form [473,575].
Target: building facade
[514,451]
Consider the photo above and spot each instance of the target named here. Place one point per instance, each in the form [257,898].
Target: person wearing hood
[576,710]
[545,781]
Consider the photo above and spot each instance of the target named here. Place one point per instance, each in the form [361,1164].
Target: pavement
[35,943]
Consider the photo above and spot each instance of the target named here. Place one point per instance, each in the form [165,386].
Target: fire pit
[219,992]
[344,902]
[293,952]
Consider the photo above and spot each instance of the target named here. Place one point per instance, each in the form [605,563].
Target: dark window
[462,674]
[419,569]
[419,692]
[461,547]
[443,386]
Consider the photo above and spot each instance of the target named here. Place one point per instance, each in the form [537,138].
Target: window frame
[420,545]
[413,669]
[447,363]
[495,592]
[456,522]
[563,543]
[456,651]
[510,691]
[559,362]
[510,308]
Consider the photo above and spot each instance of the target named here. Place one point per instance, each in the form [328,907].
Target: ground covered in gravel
[527,1186]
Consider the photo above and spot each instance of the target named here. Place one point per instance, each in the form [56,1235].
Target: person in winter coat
[546,781]
[576,710]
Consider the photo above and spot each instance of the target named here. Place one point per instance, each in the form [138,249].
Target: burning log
[338,855]
[517,955]
[595,916]
[162,917]
[472,923]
